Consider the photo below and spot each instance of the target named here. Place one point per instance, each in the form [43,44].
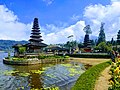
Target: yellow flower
[116,71]
[119,76]
[111,82]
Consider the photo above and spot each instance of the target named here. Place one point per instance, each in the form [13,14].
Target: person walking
[113,56]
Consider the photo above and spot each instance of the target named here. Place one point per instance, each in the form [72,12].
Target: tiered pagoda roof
[35,38]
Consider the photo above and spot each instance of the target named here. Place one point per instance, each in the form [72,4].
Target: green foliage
[80,45]
[115,75]
[103,47]
[91,55]
[52,57]
[71,44]
[87,80]
[22,50]
[101,37]
[66,56]
[113,42]
[18,59]
[48,88]
[8,54]
[118,38]
[36,71]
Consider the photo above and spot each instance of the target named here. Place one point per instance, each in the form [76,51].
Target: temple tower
[35,44]
[88,31]
[35,37]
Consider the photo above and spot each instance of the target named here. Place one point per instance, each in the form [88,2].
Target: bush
[22,50]
[18,59]
[67,57]
[90,55]
[52,57]
[42,57]
[87,80]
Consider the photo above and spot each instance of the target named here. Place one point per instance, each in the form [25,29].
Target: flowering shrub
[115,75]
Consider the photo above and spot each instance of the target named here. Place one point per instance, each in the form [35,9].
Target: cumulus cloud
[109,14]
[94,15]
[115,0]
[10,27]
[62,33]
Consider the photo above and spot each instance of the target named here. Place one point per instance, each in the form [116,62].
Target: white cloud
[61,35]
[115,0]
[10,28]
[48,2]
[109,14]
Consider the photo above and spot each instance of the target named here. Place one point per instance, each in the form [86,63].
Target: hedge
[87,80]
[90,55]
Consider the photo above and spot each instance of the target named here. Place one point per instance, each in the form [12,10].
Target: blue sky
[58,18]
[55,12]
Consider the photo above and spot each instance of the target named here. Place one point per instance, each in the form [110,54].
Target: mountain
[7,44]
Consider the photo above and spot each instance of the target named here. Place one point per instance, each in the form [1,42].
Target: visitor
[116,53]
[113,55]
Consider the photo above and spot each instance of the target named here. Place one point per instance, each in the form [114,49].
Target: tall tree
[112,41]
[101,37]
[118,38]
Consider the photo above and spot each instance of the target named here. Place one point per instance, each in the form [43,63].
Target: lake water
[62,75]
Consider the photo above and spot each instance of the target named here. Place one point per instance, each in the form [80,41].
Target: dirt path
[102,83]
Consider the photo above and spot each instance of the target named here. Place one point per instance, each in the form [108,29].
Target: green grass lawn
[87,80]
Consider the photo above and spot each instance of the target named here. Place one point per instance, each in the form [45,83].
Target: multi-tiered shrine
[35,44]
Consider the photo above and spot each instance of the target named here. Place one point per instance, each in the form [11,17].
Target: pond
[56,75]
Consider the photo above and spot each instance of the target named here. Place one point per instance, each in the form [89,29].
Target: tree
[112,41]
[22,50]
[80,45]
[101,37]
[118,38]
[103,47]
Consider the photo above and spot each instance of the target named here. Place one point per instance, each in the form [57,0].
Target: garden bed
[34,60]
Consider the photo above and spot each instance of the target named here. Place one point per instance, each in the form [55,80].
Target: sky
[58,19]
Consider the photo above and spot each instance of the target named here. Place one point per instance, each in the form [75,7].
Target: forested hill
[7,44]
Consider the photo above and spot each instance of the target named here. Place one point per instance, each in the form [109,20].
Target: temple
[35,44]
[87,41]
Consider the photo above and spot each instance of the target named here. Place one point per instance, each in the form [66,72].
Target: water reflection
[62,75]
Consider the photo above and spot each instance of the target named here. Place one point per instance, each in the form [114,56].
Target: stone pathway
[102,83]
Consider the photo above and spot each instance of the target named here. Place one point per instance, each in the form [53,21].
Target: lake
[62,75]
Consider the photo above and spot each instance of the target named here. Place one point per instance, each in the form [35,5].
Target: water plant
[36,71]
[15,73]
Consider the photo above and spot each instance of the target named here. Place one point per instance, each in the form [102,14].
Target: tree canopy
[101,37]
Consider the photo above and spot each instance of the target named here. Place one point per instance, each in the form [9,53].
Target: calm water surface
[62,75]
